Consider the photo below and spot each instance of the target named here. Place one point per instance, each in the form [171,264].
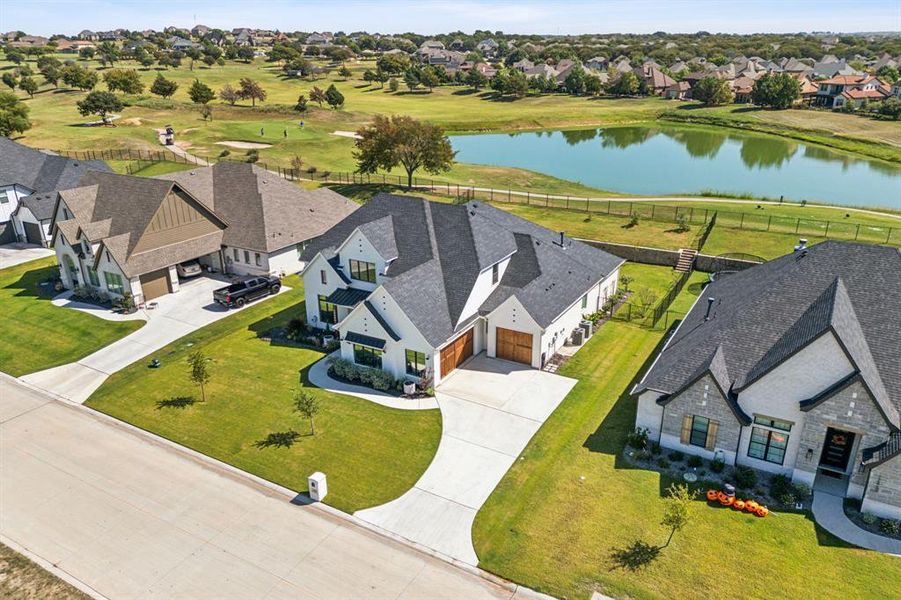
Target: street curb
[274,489]
[52,568]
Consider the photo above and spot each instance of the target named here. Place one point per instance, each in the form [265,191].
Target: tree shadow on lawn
[635,556]
[176,402]
[278,439]
[30,283]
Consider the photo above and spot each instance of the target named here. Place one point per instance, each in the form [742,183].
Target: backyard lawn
[371,454]
[37,335]
[561,517]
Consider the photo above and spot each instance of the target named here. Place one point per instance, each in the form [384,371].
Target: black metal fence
[670,213]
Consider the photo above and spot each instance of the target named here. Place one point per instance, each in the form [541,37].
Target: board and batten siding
[177,219]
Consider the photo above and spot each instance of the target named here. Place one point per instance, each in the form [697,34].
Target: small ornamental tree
[200,371]
[10,81]
[344,72]
[248,89]
[228,94]
[429,78]
[712,91]
[301,105]
[402,141]
[393,84]
[334,97]
[99,103]
[308,406]
[317,95]
[200,93]
[28,85]
[163,87]
[677,512]
[476,79]
[13,115]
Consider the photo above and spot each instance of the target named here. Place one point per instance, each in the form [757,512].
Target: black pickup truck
[241,292]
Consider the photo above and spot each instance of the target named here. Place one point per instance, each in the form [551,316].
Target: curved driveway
[490,409]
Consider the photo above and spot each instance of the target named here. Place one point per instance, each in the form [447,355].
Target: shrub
[781,489]
[745,477]
[890,526]
[676,456]
[869,518]
[382,380]
[643,455]
[695,461]
[634,220]
[717,465]
[311,169]
[295,329]
[663,463]
[638,439]
[656,449]
[224,153]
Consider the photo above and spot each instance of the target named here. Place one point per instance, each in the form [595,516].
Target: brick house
[791,367]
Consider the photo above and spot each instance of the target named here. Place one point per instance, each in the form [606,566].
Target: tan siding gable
[178,218]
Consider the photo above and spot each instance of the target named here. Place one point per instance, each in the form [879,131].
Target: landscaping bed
[890,528]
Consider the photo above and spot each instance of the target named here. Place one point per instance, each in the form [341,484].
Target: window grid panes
[113,283]
[92,275]
[368,357]
[328,312]
[362,270]
[774,423]
[767,445]
[699,428]
[415,363]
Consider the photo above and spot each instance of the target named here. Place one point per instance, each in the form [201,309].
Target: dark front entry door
[837,449]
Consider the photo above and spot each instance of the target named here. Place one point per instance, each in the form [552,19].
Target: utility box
[587,327]
[318,486]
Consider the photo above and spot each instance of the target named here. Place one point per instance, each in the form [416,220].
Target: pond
[652,160]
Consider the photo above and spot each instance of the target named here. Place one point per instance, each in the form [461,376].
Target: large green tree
[712,91]
[626,84]
[776,90]
[200,93]
[28,85]
[99,103]
[126,81]
[334,97]
[403,141]
[248,89]
[79,77]
[163,87]
[13,115]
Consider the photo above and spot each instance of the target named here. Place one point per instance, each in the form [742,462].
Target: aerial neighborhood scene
[508,299]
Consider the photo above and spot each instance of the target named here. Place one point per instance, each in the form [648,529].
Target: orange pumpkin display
[751,506]
[762,511]
[727,500]
[711,495]
[738,505]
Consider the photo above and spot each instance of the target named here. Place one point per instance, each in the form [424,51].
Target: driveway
[176,315]
[122,514]
[18,253]
[490,409]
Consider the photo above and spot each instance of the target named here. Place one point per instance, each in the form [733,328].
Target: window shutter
[686,429]
[711,435]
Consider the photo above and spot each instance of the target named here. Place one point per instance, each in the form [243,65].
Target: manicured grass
[559,515]
[37,335]
[727,240]
[22,579]
[371,454]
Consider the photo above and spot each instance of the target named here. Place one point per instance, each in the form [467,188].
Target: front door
[837,449]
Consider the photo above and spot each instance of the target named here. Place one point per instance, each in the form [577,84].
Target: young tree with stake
[200,371]
[308,406]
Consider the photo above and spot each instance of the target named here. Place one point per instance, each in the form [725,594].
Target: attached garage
[33,233]
[156,284]
[453,355]
[514,345]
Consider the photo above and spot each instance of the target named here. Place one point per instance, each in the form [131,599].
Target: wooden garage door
[32,233]
[456,352]
[155,284]
[514,345]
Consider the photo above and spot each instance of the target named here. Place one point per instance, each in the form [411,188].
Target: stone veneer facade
[702,398]
[883,492]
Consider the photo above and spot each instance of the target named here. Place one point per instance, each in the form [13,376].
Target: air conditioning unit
[578,336]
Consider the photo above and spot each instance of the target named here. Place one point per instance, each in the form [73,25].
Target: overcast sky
[44,17]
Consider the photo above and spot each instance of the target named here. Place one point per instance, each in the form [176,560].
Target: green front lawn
[371,454]
[37,335]
[560,515]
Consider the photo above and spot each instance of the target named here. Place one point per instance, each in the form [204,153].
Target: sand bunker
[243,145]
[349,134]
[134,121]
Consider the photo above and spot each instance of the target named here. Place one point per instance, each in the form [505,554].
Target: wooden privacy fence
[618,207]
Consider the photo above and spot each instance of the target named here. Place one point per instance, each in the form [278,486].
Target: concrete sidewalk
[829,513]
[18,253]
[123,514]
[490,409]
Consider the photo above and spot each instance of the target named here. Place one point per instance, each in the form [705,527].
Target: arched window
[73,270]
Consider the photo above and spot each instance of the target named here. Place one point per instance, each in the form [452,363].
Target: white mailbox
[318,486]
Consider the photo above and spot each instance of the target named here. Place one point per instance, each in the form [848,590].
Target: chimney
[709,306]
[802,245]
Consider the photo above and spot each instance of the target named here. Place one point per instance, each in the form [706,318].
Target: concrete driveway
[490,409]
[176,315]
[18,253]
[122,514]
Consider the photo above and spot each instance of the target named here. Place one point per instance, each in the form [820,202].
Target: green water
[654,160]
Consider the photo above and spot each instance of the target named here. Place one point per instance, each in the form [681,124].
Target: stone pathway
[830,515]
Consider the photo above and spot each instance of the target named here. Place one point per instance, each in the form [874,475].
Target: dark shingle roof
[39,171]
[442,248]
[763,315]
[40,204]
[366,340]
[347,296]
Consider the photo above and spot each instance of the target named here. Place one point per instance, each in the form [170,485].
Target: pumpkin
[711,495]
[727,500]
[738,505]
[762,511]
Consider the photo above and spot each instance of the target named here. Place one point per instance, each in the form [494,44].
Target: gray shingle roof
[365,340]
[39,171]
[264,212]
[763,315]
[40,204]
[442,248]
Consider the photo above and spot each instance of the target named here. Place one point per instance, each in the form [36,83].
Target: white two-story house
[791,367]
[416,288]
